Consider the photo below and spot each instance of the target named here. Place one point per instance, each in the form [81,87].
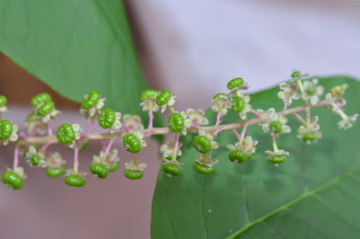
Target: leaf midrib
[294,201]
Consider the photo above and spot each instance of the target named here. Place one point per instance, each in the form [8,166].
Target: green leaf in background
[314,194]
[74,46]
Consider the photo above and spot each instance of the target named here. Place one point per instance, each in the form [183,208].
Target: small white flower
[247,146]
[274,117]
[247,107]
[130,165]
[205,159]
[139,135]
[150,104]
[347,122]
[288,92]
[54,160]
[133,122]
[196,117]
[168,149]
[312,129]
[170,102]
[221,103]
[312,91]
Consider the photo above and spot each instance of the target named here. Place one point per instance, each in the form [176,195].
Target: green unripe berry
[296,74]
[99,170]
[131,143]
[219,95]
[203,169]
[46,108]
[6,129]
[202,144]
[113,166]
[238,104]
[171,169]
[309,137]
[12,180]
[106,118]
[276,159]
[39,99]
[3,100]
[34,160]
[311,90]
[163,98]
[276,127]
[75,180]
[236,82]
[148,94]
[91,100]
[176,122]
[133,174]
[237,155]
[55,172]
[65,133]
[251,155]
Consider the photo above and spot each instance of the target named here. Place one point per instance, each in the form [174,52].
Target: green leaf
[313,194]
[75,46]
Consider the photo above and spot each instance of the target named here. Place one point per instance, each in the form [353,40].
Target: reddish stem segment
[76,159]
[151,119]
[16,157]
[255,113]
[236,133]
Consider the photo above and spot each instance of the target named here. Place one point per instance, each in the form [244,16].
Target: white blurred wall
[195,47]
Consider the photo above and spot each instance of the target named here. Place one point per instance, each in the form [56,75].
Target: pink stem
[125,127]
[108,147]
[243,133]
[43,149]
[32,133]
[255,113]
[176,146]
[88,130]
[49,128]
[151,118]
[149,134]
[22,137]
[218,118]
[76,158]
[237,134]
[102,144]
[195,126]
[16,158]
[299,117]
[217,131]
[286,104]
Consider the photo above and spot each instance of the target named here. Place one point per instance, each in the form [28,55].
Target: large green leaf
[74,46]
[314,194]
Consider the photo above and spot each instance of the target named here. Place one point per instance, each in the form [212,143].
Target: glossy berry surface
[163,97]
[12,180]
[176,122]
[296,74]
[219,95]
[276,159]
[39,99]
[3,100]
[202,144]
[65,133]
[131,143]
[236,82]
[203,169]
[75,180]
[237,155]
[238,104]
[55,172]
[309,137]
[171,169]
[148,94]
[275,127]
[46,108]
[91,100]
[113,166]
[99,170]
[106,118]
[133,174]
[34,160]
[6,129]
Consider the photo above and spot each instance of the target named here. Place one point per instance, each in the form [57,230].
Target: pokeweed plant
[134,135]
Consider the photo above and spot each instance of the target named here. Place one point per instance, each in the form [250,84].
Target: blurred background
[192,48]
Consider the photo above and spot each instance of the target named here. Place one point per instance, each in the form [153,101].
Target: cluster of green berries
[131,131]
